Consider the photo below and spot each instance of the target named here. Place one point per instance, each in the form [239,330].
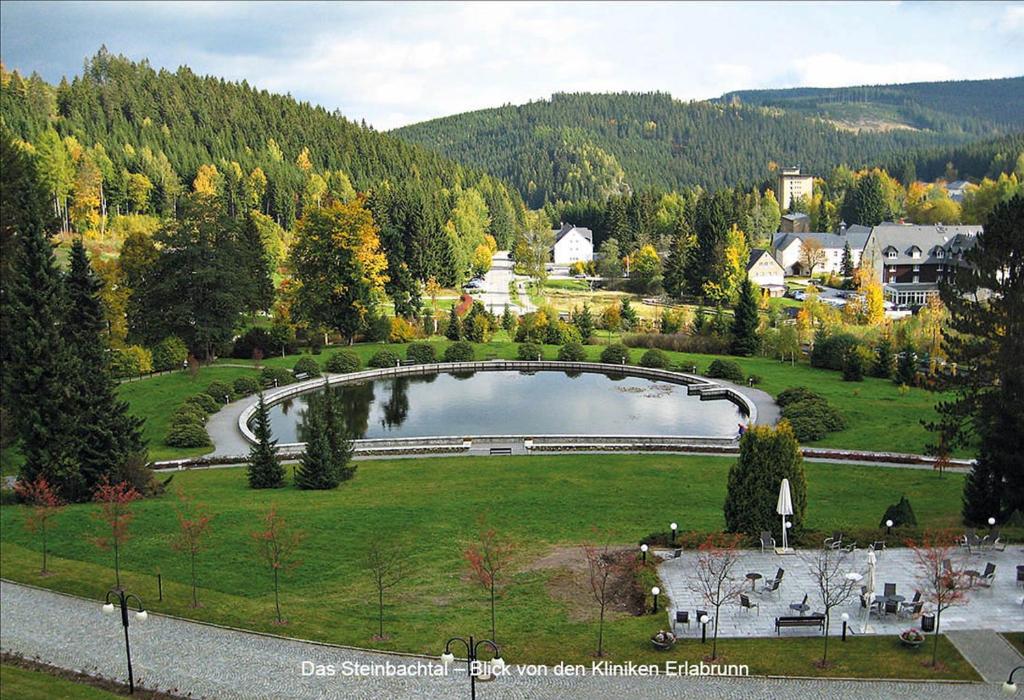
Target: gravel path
[203,661]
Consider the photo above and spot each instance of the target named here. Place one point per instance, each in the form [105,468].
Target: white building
[572,244]
[764,271]
[793,185]
[788,250]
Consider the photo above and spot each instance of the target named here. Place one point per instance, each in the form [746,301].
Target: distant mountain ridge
[587,146]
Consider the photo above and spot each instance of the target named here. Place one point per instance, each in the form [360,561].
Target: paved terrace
[203,661]
[997,608]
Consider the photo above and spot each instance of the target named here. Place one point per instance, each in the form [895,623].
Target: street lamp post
[497,663]
[123,600]
[1009,687]
[846,620]
[674,527]
[654,592]
[888,527]
[643,552]
[704,619]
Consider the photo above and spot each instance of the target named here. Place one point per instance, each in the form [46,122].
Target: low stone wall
[706,388]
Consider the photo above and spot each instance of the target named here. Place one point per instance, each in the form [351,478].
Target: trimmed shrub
[342,362]
[572,352]
[218,390]
[529,351]
[131,361]
[169,353]
[900,514]
[795,394]
[725,369]
[378,328]
[246,386]
[271,376]
[615,355]
[654,358]
[188,411]
[382,359]
[679,342]
[421,353]
[205,402]
[813,419]
[830,351]
[401,330]
[187,434]
[460,351]
[308,366]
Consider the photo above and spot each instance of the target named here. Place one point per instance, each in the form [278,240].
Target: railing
[695,385]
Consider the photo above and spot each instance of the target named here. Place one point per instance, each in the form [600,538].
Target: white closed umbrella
[870,592]
[784,508]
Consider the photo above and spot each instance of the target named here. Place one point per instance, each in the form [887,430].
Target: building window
[939,252]
[916,279]
[915,252]
[917,268]
[891,254]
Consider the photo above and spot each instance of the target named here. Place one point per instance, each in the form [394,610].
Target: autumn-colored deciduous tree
[940,573]
[43,505]
[713,577]
[276,544]
[116,514]
[812,254]
[384,562]
[488,557]
[193,528]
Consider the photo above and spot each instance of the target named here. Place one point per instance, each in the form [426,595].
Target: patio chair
[835,541]
[988,576]
[767,541]
[974,544]
[682,618]
[997,544]
[800,607]
[702,613]
[890,590]
[878,546]
[892,607]
[947,567]
[772,585]
[747,605]
[1020,576]
[913,608]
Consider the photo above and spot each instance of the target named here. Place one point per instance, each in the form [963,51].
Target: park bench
[407,363]
[501,451]
[301,375]
[802,621]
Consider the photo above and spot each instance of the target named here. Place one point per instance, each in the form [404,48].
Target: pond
[516,403]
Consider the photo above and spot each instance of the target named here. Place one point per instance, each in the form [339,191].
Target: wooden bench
[300,376]
[501,451]
[802,621]
[406,363]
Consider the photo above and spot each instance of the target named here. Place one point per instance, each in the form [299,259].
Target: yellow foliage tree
[303,161]
[208,180]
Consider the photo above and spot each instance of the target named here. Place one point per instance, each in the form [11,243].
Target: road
[494,294]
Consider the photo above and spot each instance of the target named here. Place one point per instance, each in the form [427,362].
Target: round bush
[460,351]
[187,434]
[572,352]
[169,353]
[807,429]
[218,390]
[382,359]
[188,411]
[725,369]
[822,414]
[342,362]
[205,402]
[276,376]
[529,351]
[654,358]
[797,393]
[421,354]
[308,366]
[615,355]
[246,386]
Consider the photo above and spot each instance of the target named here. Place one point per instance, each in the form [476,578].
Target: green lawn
[431,506]
[1016,639]
[22,684]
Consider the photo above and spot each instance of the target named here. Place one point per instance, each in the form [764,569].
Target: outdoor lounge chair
[772,585]
[988,575]
[913,608]
[682,618]
[800,607]
[767,541]
[747,605]
[835,541]
[974,544]
[890,590]
[702,613]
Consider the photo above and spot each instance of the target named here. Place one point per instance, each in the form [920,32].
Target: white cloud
[833,70]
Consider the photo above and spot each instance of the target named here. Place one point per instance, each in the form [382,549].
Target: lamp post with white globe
[124,600]
[472,647]
[654,592]
[674,527]
[1009,687]
[643,552]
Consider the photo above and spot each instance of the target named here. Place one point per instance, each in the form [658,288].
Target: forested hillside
[123,138]
[587,146]
[980,107]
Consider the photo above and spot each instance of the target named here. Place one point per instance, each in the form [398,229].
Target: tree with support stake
[943,582]
[384,562]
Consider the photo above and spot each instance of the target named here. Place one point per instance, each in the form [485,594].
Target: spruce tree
[327,460]
[847,268]
[106,436]
[454,329]
[265,469]
[884,363]
[906,368]
[767,456]
[584,322]
[675,265]
[253,259]
[745,338]
[628,314]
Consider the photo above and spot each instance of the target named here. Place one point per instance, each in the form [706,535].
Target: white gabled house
[572,244]
[764,271]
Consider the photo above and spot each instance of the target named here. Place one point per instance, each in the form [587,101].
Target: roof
[957,185]
[568,228]
[797,216]
[904,237]
[756,254]
[828,241]
[858,228]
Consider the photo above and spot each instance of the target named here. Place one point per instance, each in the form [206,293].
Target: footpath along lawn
[545,505]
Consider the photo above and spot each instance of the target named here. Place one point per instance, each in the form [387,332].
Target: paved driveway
[494,294]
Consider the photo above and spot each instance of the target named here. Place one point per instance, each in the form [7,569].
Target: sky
[395,63]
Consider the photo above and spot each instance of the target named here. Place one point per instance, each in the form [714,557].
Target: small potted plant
[912,638]
[663,640]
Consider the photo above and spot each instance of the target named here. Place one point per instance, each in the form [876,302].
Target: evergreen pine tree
[254,260]
[767,456]
[265,469]
[327,460]
[454,329]
[745,338]
[584,322]
[106,437]
[884,361]
[906,368]
[675,265]
[847,268]
[628,314]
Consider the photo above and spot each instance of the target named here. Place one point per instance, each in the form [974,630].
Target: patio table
[753,577]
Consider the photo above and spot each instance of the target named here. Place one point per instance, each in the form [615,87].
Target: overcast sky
[396,64]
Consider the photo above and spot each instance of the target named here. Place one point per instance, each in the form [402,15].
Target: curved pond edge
[706,389]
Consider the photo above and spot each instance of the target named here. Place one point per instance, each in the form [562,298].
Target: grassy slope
[23,684]
[431,506]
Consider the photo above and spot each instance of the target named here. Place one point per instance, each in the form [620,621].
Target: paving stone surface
[990,654]
[202,661]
